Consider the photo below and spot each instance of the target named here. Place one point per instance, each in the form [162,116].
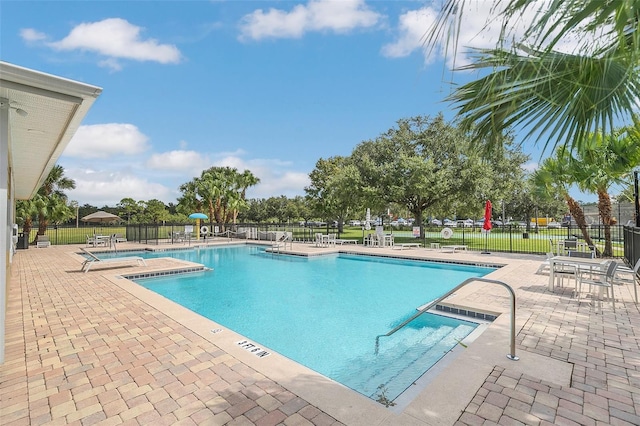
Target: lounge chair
[545,264]
[42,241]
[95,259]
[284,239]
[120,238]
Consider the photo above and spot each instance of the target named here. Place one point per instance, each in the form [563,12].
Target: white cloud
[178,160]
[114,38]
[30,35]
[109,180]
[411,27]
[276,176]
[106,140]
[480,28]
[317,15]
[287,183]
[103,187]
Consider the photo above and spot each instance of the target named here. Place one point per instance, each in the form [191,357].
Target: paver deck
[93,348]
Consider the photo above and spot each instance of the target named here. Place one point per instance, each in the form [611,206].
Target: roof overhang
[54,108]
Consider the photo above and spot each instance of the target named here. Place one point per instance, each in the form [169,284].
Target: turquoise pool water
[326,311]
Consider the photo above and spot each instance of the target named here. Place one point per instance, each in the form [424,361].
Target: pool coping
[446,394]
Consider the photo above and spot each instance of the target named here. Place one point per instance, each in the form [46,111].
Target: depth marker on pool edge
[253,348]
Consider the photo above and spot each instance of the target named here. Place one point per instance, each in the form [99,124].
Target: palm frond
[558,95]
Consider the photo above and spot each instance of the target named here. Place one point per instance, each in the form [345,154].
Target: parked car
[467,223]
[450,223]
[436,222]
[354,223]
[554,225]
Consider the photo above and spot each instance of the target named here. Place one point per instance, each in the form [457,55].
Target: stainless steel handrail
[512,355]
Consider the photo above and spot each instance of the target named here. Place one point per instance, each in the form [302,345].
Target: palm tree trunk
[26,228]
[42,225]
[578,215]
[604,208]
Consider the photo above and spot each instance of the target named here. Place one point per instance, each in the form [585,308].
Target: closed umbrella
[487,224]
[367,220]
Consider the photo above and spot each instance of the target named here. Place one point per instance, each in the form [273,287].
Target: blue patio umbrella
[197,217]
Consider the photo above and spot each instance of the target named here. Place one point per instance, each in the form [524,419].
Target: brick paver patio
[81,350]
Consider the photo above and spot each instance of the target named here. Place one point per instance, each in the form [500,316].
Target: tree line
[423,167]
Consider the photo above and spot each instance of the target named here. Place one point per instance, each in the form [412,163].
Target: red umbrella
[487,216]
[487,225]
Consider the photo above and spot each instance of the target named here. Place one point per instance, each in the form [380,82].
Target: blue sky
[265,86]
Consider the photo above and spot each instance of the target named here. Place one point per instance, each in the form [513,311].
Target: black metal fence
[507,238]
[631,244]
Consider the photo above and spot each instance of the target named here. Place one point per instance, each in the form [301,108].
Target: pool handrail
[512,355]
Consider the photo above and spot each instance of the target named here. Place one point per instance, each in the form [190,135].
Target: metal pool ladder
[511,355]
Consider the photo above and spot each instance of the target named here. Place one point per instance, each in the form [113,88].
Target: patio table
[579,262]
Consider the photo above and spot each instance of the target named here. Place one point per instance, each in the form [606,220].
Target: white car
[354,223]
[436,222]
[554,225]
[450,223]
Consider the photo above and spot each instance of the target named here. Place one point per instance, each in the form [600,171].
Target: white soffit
[55,108]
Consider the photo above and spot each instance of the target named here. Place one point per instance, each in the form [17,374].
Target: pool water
[326,311]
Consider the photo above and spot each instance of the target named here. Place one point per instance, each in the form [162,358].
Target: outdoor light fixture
[5,104]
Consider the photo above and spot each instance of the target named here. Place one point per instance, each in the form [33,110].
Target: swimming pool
[326,311]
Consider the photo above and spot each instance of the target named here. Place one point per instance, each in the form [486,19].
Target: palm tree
[26,211]
[542,90]
[51,195]
[601,163]
[244,181]
[555,176]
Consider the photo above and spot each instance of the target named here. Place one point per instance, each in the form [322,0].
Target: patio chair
[95,259]
[371,240]
[633,272]
[561,271]
[95,241]
[569,245]
[42,241]
[582,254]
[602,282]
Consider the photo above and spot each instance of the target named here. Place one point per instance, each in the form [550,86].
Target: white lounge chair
[284,239]
[545,264]
[95,259]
